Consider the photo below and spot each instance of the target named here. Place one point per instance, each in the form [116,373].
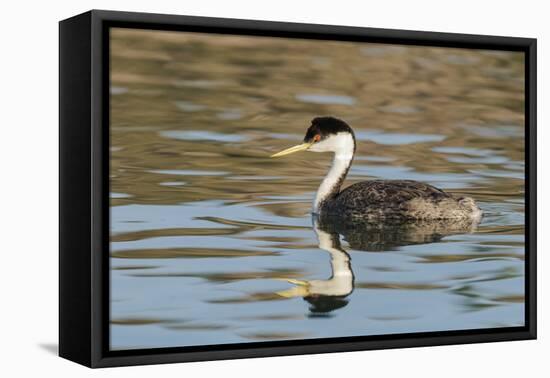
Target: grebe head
[326,134]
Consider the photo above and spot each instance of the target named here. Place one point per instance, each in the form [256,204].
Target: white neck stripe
[343,146]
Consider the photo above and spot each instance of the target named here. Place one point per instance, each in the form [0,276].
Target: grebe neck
[344,150]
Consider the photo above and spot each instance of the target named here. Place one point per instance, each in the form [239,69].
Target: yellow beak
[291,150]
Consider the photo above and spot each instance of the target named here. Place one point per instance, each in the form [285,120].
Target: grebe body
[374,199]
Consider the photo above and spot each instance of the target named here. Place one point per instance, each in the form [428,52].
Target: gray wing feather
[386,196]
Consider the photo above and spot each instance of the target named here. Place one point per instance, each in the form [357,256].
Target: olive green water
[212,241]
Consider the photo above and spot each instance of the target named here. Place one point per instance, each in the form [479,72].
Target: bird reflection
[325,296]
[331,294]
[389,235]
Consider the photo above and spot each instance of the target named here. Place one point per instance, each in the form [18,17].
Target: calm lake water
[213,242]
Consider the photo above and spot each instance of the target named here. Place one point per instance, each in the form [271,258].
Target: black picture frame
[84,186]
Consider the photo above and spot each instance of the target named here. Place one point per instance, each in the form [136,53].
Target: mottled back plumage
[396,199]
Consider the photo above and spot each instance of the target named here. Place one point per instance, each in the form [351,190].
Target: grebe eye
[317,138]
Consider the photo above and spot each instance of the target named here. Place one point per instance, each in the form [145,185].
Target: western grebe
[373,199]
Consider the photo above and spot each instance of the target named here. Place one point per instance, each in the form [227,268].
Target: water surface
[212,242]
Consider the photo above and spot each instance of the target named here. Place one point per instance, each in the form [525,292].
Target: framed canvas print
[234,188]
